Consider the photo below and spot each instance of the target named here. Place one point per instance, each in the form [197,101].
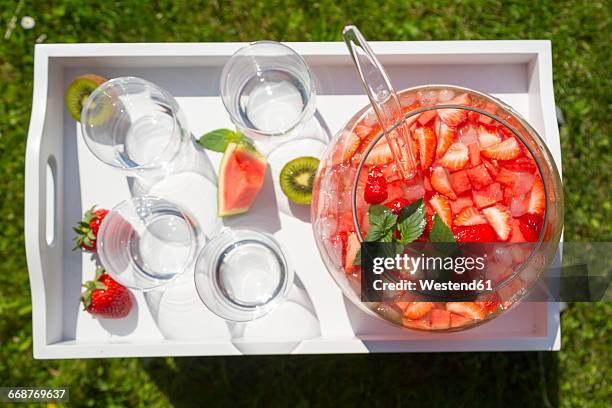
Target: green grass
[578,376]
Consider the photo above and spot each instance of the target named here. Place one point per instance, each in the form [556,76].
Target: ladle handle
[383,98]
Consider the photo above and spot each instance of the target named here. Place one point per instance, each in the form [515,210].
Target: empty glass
[267,89]
[135,125]
[242,274]
[146,242]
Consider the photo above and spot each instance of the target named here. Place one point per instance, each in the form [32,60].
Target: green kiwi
[77,93]
[297,179]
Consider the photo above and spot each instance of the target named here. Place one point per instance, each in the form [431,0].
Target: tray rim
[533,52]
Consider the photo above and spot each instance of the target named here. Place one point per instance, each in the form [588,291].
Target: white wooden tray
[63,179]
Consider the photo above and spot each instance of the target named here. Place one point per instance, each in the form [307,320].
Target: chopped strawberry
[491,108]
[474,233]
[427,146]
[340,240]
[537,200]
[533,221]
[479,176]
[452,117]
[488,196]
[396,205]
[527,231]
[415,310]
[362,131]
[456,157]
[508,196]
[352,247]
[379,155]
[442,207]
[469,216]
[474,153]
[427,116]
[350,146]
[419,324]
[446,136]
[440,319]
[463,99]
[458,320]
[395,190]
[522,164]
[487,136]
[507,150]
[500,219]
[460,203]
[460,181]
[506,177]
[391,172]
[441,183]
[467,309]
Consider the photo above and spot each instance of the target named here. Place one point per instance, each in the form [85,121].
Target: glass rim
[130,79]
[223,82]
[514,131]
[104,260]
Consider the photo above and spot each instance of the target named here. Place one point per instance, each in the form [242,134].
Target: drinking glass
[146,242]
[267,89]
[242,274]
[134,125]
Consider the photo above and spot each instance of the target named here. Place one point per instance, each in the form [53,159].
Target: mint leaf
[411,221]
[218,139]
[440,232]
[382,218]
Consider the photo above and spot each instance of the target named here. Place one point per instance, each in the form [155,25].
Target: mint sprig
[218,139]
[440,232]
[412,221]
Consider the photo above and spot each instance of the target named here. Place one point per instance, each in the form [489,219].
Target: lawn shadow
[526,379]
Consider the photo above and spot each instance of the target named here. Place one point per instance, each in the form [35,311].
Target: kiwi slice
[77,93]
[297,179]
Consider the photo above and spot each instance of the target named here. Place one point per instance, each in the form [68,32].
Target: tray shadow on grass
[526,379]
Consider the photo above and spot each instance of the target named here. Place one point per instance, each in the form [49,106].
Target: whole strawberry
[87,229]
[105,297]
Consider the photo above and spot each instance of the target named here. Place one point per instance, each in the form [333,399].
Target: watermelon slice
[241,176]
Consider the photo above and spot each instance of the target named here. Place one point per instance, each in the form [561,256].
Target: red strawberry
[529,234]
[375,191]
[379,155]
[446,136]
[507,150]
[396,205]
[87,229]
[362,131]
[474,233]
[522,164]
[105,297]
[352,247]
[350,146]
[456,157]
[452,117]
[427,146]
[340,240]
[487,136]
[488,196]
[415,310]
[469,216]
[491,167]
[479,177]
[441,183]
[500,219]
[535,222]
[537,200]
[440,319]
[506,177]
[427,116]
[474,153]
[460,181]
[466,309]
[460,203]
[442,207]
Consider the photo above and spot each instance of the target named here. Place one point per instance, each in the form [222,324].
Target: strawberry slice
[507,150]
[479,176]
[441,182]
[442,207]
[474,233]
[488,196]
[415,310]
[466,309]
[456,157]
[349,147]
[440,319]
[427,116]
[379,155]
[506,177]
[446,136]
[427,146]
[522,164]
[352,247]
[500,219]
[487,136]
[362,131]
[469,216]
[458,320]
[474,153]
[537,200]
[491,166]
[460,181]
[452,117]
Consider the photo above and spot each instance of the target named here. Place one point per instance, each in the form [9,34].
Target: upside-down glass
[267,89]
[146,242]
[339,210]
[242,274]
[134,125]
